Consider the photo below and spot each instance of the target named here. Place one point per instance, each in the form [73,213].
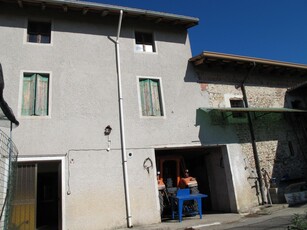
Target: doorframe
[62,160]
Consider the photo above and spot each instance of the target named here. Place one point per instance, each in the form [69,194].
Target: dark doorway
[172,163]
[47,196]
[206,164]
[37,198]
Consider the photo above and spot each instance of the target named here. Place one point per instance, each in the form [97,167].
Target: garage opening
[37,202]
[206,164]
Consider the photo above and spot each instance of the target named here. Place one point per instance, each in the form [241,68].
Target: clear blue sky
[270,29]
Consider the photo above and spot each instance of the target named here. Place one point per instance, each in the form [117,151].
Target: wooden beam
[20,4]
[190,25]
[84,11]
[141,17]
[176,22]
[211,59]
[43,6]
[104,13]
[158,20]
[65,8]
[199,62]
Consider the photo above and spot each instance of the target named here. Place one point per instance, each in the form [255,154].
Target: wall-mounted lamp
[107,130]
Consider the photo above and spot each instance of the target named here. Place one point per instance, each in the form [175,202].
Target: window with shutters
[151,98]
[35,95]
[39,32]
[144,42]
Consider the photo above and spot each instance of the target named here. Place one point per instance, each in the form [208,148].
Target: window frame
[230,119]
[237,115]
[153,45]
[49,95]
[161,99]
[36,20]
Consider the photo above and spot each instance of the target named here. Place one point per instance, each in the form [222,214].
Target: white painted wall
[83,101]
[240,187]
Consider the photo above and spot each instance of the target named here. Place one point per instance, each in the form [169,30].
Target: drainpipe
[122,126]
[252,133]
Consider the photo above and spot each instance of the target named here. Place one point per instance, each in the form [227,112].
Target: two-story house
[61,61]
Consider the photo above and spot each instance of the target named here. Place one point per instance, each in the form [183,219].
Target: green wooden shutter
[141,84]
[155,98]
[42,88]
[145,97]
[150,97]
[28,95]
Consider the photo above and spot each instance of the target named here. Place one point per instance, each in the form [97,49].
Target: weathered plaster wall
[241,188]
[97,199]
[84,100]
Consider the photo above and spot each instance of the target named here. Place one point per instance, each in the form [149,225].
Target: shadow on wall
[212,133]
[191,75]
[290,163]
[280,142]
[217,127]
[280,137]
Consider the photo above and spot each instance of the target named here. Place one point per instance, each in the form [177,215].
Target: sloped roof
[106,9]
[221,59]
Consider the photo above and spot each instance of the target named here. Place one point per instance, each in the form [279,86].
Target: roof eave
[297,87]
[158,16]
[213,55]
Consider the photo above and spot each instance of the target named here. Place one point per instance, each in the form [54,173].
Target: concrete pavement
[211,219]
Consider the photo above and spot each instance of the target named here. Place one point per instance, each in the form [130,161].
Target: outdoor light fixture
[107,130]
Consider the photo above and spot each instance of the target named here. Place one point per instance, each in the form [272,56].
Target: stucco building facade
[62,61]
[69,48]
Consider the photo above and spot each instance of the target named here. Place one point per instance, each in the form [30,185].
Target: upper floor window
[35,94]
[237,103]
[151,99]
[144,42]
[39,32]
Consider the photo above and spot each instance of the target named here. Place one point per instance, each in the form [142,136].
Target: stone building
[239,87]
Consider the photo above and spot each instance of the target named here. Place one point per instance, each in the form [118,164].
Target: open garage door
[206,164]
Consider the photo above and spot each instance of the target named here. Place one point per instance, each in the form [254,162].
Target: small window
[39,32]
[144,42]
[237,103]
[150,93]
[35,94]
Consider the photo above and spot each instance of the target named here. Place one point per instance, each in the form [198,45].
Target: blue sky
[270,29]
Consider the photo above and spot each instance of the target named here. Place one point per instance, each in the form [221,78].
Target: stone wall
[278,148]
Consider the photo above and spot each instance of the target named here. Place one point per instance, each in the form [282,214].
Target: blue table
[184,195]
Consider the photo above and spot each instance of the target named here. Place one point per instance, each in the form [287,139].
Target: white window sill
[21,117]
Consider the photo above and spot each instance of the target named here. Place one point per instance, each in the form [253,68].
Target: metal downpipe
[122,126]
[252,133]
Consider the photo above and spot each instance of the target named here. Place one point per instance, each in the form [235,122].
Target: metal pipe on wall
[122,126]
[252,133]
